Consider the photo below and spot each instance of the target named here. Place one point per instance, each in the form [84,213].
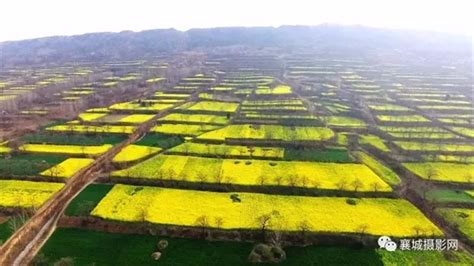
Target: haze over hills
[131,45]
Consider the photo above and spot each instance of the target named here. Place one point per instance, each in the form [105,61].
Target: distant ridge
[127,44]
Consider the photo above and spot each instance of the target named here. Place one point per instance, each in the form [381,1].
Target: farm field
[95,247]
[147,203]
[269,132]
[86,201]
[183,129]
[72,139]
[402,118]
[91,116]
[209,106]
[196,118]
[93,129]
[228,150]
[27,164]
[463,218]
[419,146]
[448,172]
[26,194]
[140,107]
[67,168]
[318,155]
[65,149]
[375,141]
[278,146]
[348,176]
[381,170]
[159,140]
[134,152]
[448,195]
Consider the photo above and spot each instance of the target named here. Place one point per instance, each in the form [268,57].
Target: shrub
[156,255]
[263,253]
[162,245]
[351,201]
[235,198]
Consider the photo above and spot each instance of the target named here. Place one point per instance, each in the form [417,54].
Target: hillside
[128,45]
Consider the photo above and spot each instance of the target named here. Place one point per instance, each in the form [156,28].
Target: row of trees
[291,180]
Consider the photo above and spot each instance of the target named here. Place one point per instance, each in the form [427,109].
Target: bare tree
[304,228]
[417,230]
[375,186]
[468,177]
[261,179]
[316,184]
[186,148]
[218,178]
[172,174]
[263,222]
[141,215]
[431,173]
[251,150]
[356,184]
[304,181]
[55,171]
[362,230]
[219,221]
[293,180]
[278,180]
[341,184]
[201,176]
[17,221]
[203,223]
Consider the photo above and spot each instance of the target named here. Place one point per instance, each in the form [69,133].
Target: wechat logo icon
[386,243]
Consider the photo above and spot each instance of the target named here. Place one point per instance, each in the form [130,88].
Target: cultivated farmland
[230,155]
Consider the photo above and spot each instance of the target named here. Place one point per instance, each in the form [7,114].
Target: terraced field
[317,155]
[129,203]
[26,194]
[269,132]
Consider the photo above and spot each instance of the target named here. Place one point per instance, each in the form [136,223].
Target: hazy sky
[22,19]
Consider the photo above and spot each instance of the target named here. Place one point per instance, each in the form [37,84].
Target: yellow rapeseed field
[25,194]
[136,119]
[65,149]
[425,146]
[161,94]
[211,106]
[441,171]
[198,118]
[375,141]
[91,116]
[463,218]
[347,176]
[229,150]
[402,118]
[93,129]
[381,170]
[377,216]
[67,168]
[135,106]
[280,89]
[182,129]
[134,152]
[4,149]
[275,132]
